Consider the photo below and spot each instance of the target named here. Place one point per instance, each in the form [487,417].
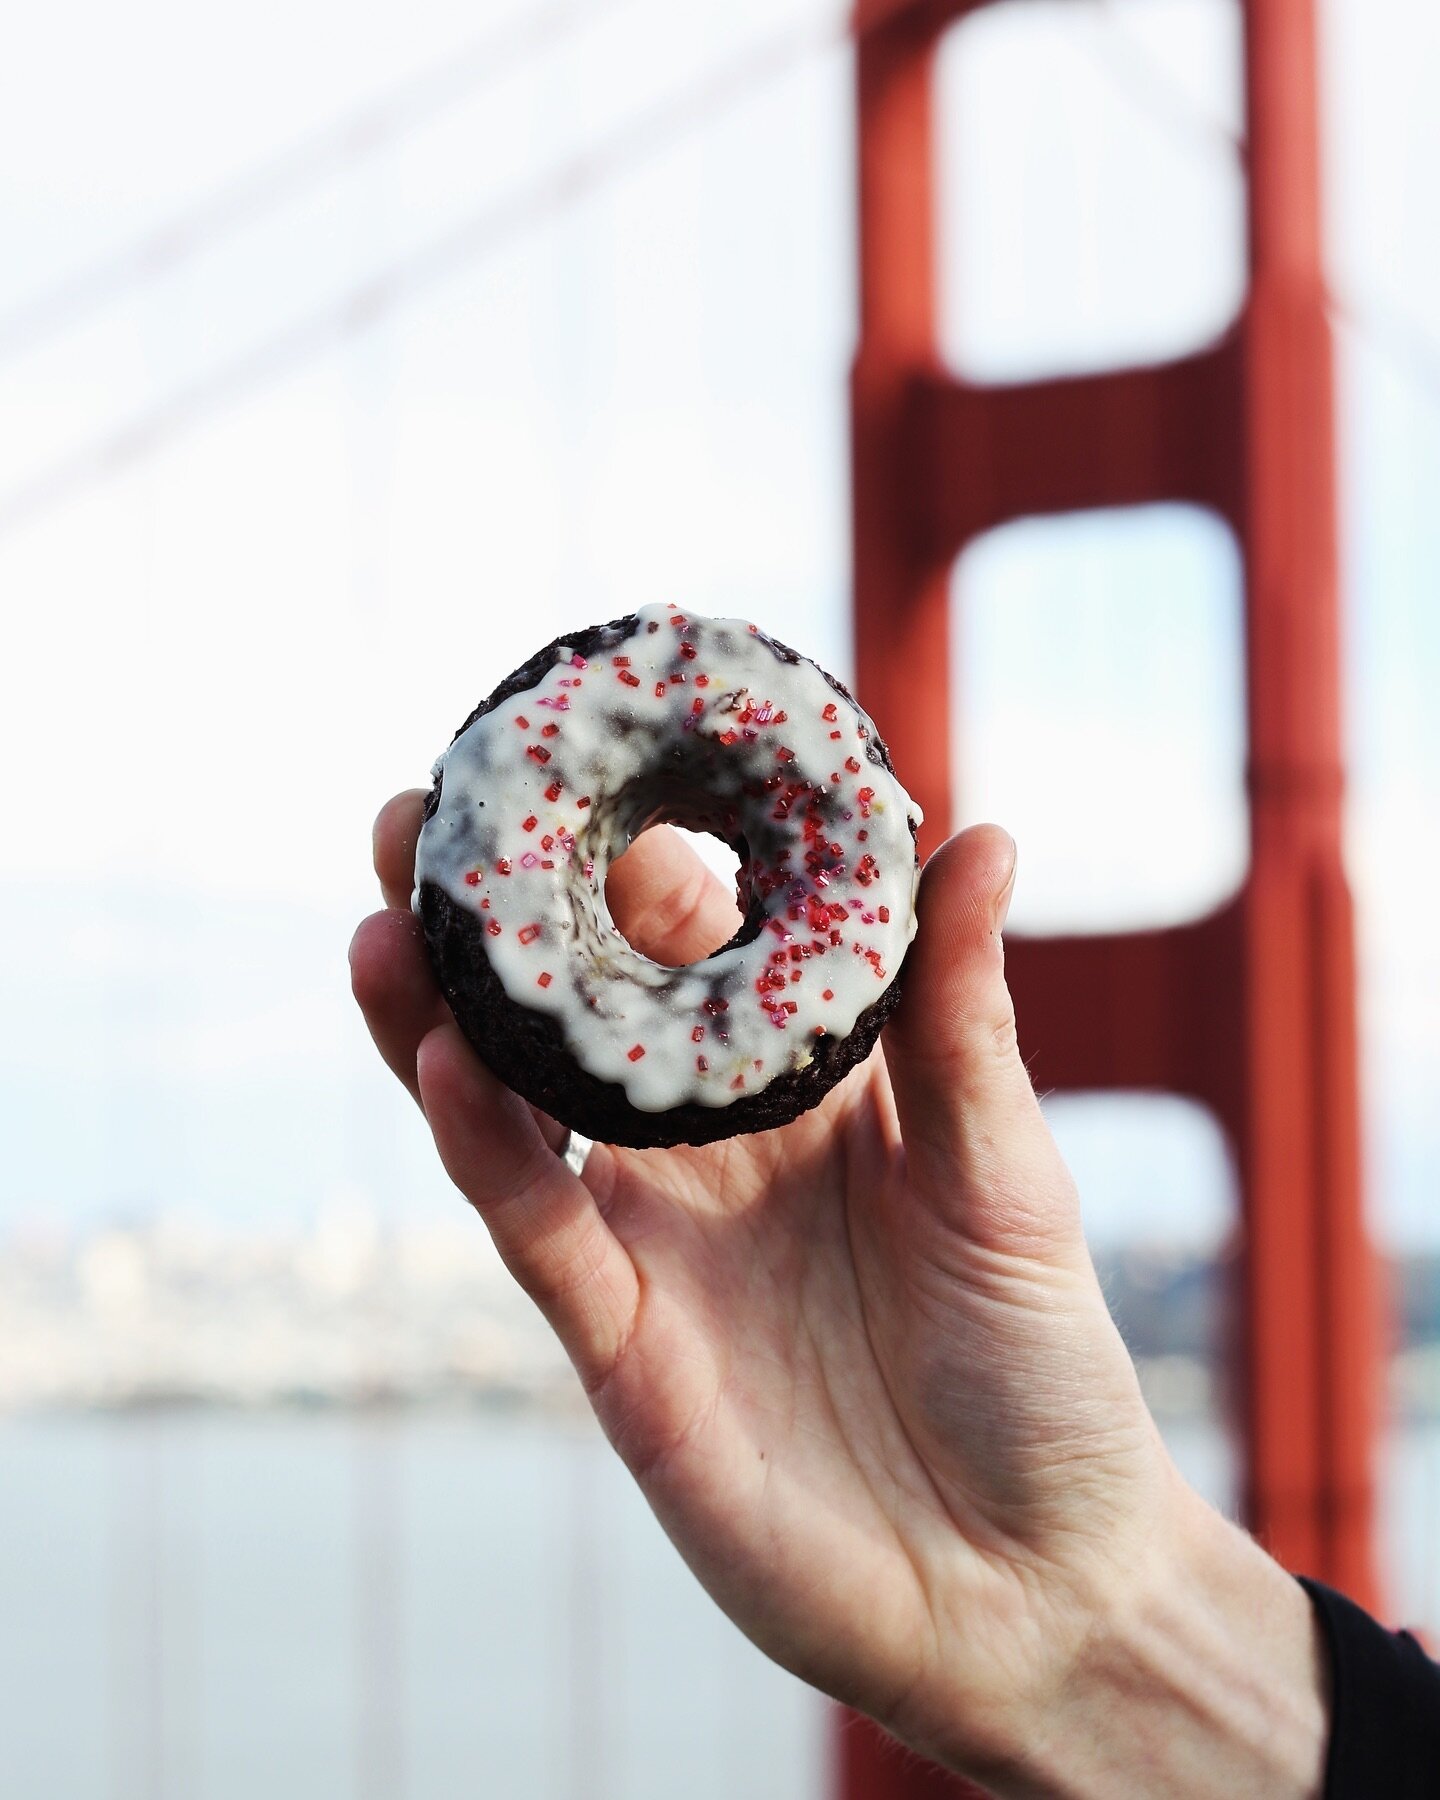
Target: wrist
[1204,1673]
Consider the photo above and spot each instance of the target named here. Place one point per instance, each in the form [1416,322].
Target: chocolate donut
[705,723]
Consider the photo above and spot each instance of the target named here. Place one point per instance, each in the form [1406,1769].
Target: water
[210,1606]
[219,1606]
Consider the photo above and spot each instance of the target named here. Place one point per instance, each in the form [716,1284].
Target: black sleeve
[1385,1727]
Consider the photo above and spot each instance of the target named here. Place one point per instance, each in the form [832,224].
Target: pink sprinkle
[529,860]
[577,661]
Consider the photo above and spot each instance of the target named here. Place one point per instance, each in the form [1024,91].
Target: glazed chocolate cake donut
[709,724]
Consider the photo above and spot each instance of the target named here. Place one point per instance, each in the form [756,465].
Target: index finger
[396,832]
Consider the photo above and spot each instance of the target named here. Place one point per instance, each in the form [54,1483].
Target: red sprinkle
[689,652]
[553,792]
[621,662]
[538,752]
[582,803]
[697,1036]
[493,927]
[550,730]
[522,722]
[635,1052]
[701,1064]
[529,824]
[629,679]
[544,979]
[829,715]
[474,878]
[820,1031]
[884,912]
[829,994]
[852,765]
[702,681]
[834,734]
[529,933]
[659,690]
[503,866]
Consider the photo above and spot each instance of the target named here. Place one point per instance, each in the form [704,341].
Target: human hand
[863,1371]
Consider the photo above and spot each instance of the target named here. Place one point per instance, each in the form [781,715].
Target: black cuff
[1385,1722]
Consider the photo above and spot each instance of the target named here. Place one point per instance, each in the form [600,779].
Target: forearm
[1209,1678]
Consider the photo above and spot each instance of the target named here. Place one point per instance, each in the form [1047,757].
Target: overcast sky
[224,649]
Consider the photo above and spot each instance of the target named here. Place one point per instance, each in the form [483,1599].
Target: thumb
[976,1143]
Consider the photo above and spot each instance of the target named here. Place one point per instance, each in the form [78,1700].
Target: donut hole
[657,910]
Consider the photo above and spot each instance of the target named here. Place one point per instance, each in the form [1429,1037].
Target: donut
[665,716]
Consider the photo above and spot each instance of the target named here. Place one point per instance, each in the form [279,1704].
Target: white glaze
[611,737]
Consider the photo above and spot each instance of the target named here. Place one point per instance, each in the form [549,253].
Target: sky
[232,633]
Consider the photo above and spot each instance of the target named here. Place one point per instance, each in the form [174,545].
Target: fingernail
[1007,893]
